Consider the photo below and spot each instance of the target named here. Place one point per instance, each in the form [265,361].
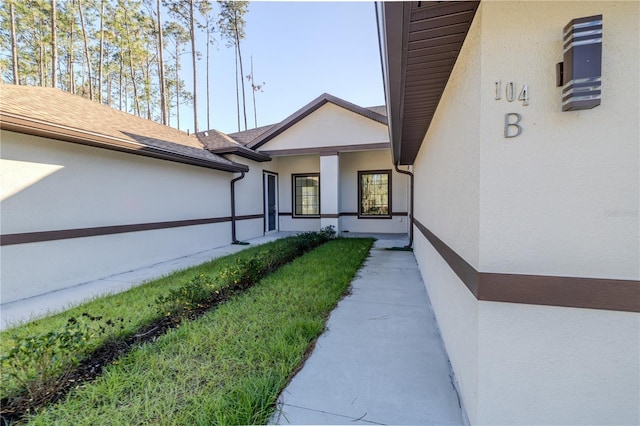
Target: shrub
[245,272]
[188,297]
[40,363]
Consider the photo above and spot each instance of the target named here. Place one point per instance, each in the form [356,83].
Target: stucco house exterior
[516,177]
[324,151]
[526,226]
[88,191]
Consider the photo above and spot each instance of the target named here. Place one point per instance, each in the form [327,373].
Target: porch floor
[381,360]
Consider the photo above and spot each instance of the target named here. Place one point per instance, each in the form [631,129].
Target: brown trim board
[394,214]
[404,214]
[573,292]
[65,234]
[328,150]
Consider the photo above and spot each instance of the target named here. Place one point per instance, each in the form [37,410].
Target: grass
[136,306]
[228,366]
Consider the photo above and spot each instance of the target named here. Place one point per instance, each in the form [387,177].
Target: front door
[270,202]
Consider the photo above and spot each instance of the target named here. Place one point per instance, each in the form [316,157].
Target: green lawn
[228,366]
[130,310]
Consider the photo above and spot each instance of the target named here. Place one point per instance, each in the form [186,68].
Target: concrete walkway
[382,360]
[60,300]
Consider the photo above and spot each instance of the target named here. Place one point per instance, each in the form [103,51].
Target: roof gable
[307,110]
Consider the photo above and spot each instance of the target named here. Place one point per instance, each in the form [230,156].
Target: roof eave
[395,15]
[407,29]
[33,127]
[240,151]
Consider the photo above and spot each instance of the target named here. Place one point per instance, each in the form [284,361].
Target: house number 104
[510,92]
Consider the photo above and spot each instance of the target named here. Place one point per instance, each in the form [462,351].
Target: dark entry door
[271,202]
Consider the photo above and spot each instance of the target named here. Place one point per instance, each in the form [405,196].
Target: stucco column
[329,190]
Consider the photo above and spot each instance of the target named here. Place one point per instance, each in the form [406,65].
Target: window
[374,194]
[306,195]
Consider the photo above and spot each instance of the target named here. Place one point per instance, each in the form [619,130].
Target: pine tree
[54,46]
[187,18]
[14,44]
[232,28]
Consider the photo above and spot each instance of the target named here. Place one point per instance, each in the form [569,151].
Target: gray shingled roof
[380,109]
[220,143]
[60,115]
[249,135]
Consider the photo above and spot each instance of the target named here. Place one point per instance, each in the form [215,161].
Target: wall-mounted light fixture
[580,73]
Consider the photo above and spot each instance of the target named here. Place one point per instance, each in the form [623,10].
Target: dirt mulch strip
[13,409]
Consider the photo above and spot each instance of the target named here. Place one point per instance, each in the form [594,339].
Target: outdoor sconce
[580,73]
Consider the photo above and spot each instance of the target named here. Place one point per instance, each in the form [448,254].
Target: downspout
[406,172]
[234,240]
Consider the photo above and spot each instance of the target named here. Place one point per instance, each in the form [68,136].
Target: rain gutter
[234,240]
[406,172]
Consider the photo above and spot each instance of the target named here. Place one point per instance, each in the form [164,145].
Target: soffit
[422,42]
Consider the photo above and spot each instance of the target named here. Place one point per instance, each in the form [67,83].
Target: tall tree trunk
[147,84]
[177,86]
[136,102]
[86,49]
[208,90]
[43,81]
[72,78]
[194,55]
[83,75]
[14,45]
[237,90]
[109,82]
[244,101]
[54,46]
[253,94]
[120,82]
[101,51]
[163,85]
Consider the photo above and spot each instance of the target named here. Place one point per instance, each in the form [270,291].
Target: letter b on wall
[512,126]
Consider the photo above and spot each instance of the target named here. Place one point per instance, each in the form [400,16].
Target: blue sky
[300,50]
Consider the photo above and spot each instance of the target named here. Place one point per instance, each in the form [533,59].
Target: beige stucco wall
[350,164]
[560,199]
[330,125]
[552,365]
[249,197]
[565,192]
[51,185]
[447,172]
[456,310]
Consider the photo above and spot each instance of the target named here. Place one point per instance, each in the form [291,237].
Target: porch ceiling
[422,41]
